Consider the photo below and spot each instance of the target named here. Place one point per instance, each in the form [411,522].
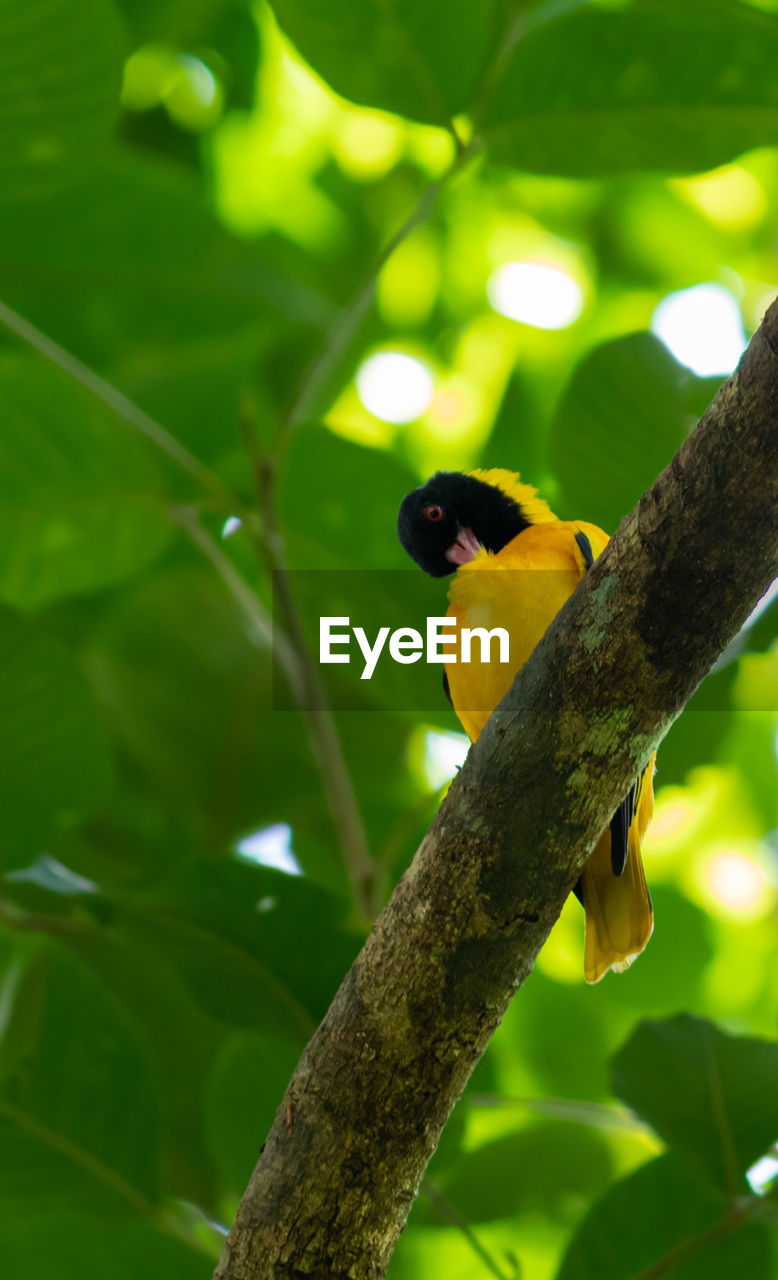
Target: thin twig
[596,1114]
[418,814]
[347,323]
[15,917]
[122,406]
[450,1214]
[721,1119]
[95,1167]
[261,629]
[164,1220]
[311,697]
[459,143]
[519,22]
[738,1215]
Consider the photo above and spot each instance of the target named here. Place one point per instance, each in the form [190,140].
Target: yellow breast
[520,589]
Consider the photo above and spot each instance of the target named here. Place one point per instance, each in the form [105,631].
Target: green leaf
[54,761]
[662,1216]
[227,28]
[246,1087]
[137,256]
[174,20]
[185,694]
[674,967]
[750,747]
[81,504]
[194,388]
[674,87]
[627,407]
[702,730]
[419,60]
[227,981]
[174,1030]
[537,1169]
[326,521]
[710,1094]
[61,76]
[560,1039]
[77,1107]
[284,924]
[67,1246]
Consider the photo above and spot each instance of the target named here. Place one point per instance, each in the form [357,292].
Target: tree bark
[365,1107]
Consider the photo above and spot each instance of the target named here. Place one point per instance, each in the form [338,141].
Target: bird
[471,525]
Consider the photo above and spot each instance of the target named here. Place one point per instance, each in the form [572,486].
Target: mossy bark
[366,1105]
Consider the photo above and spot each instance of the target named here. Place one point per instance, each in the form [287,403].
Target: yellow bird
[516,564]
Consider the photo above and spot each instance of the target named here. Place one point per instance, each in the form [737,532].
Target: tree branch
[367,1102]
[340,335]
[124,408]
[737,1216]
[323,737]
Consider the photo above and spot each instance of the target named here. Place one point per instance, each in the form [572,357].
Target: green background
[194,201]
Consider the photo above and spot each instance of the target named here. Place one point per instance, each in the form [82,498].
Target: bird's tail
[619,915]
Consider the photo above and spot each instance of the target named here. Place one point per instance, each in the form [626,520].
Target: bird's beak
[465,548]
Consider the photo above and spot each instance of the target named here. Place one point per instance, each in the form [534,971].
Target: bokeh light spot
[146,77]
[409,282]
[394,387]
[199,78]
[762,1174]
[542,296]
[669,823]
[367,143]
[271,847]
[736,884]
[51,874]
[187,87]
[194,96]
[702,327]
[730,197]
[444,753]
[452,408]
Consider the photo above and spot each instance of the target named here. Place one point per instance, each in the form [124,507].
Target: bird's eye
[434,513]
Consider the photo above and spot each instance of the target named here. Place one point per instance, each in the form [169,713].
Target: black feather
[446,688]
[620,825]
[585,547]
[466,502]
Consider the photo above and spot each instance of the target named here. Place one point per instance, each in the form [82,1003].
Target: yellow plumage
[536,509]
[521,588]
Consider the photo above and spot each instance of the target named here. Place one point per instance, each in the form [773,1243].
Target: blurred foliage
[204,234]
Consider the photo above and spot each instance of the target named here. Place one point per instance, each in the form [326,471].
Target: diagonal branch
[303,676]
[123,407]
[368,1100]
[314,381]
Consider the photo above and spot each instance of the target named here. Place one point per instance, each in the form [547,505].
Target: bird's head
[453,516]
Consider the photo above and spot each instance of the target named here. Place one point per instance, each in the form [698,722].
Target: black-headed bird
[478,526]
